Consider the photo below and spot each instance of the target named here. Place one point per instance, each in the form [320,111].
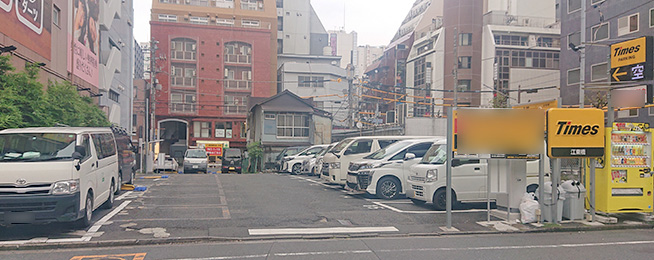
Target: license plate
[195,166]
[231,168]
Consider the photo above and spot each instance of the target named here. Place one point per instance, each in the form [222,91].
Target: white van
[384,172]
[337,160]
[426,182]
[56,174]
[293,163]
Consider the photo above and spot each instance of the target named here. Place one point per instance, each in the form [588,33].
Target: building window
[465,62]
[202,129]
[651,17]
[280,23]
[113,95]
[419,72]
[225,3]
[183,49]
[593,2]
[574,5]
[573,76]
[599,72]
[574,38]
[224,129]
[55,15]
[243,130]
[628,113]
[183,74]
[238,52]
[463,85]
[225,22]
[199,20]
[167,18]
[306,81]
[182,102]
[235,104]
[269,116]
[513,40]
[600,32]
[250,23]
[465,39]
[280,3]
[256,5]
[292,125]
[627,24]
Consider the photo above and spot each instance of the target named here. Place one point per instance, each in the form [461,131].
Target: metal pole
[582,59]
[488,190]
[541,183]
[448,171]
[555,191]
[456,68]
[591,204]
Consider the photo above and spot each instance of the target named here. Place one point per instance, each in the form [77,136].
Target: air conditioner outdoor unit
[172,70]
[193,47]
[194,72]
[226,73]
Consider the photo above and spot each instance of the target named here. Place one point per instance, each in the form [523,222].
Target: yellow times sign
[575,133]
[629,52]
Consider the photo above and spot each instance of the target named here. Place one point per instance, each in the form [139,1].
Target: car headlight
[187,161]
[65,187]
[432,175]
[369,172]
[365,166]
[336,165]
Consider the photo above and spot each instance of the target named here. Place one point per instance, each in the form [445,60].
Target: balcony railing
[236,110]
[237,84]
[176,107]
[224,22]
[183,81]
[183,55]
[498,18]
[237,58]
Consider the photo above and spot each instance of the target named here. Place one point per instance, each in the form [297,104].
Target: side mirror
[81,150]
[456,162]
[409,156]
[77,156]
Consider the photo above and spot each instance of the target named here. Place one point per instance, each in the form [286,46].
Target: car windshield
[341,145]
[389,150]
[325,150]
[435,155]
[196,153]
[232,153]
[37,147]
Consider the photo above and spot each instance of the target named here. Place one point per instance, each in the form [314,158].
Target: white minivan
[54,174]
[337,160]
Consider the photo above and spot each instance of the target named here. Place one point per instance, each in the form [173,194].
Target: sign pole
[448,172]
[541,183]
[592,190]
[555,188]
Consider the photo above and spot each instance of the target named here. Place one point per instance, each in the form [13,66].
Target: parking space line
[94,229]
[223,199]
[165,219]
[314,231]
[121,197]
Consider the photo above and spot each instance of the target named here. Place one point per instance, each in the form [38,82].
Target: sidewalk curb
[213,239]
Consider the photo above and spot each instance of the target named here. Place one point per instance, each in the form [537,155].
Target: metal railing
[237,84]
[237,58]
[177,107]
[183,81]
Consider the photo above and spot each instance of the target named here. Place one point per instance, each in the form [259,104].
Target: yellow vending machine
[623,176]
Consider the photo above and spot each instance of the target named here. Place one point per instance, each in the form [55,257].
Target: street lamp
[9,48]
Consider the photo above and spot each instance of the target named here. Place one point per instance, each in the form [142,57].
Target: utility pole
[350,105]
[582,56]
[456,67]
[150,104]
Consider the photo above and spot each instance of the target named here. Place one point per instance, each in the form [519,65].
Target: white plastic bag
[528,208]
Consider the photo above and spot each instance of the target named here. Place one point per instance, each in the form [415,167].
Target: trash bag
[528,208]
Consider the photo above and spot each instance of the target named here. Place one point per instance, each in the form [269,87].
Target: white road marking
[224,257]
[91,232]
[121,197]
[313,231]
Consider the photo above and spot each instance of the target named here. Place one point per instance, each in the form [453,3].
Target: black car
[232,160]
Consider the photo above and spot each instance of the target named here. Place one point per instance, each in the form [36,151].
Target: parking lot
[249,205]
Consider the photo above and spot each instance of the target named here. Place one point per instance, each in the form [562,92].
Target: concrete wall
[425,126]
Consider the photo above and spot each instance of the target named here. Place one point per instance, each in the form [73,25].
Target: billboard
[28,23]
[85,40]
[632,60]
[575,133]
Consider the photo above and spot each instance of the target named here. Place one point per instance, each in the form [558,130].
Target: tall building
[145,47]
[607,22]
[217,54]
[366,55]
[139,61]
[344,44]
[88,43]
[306,65]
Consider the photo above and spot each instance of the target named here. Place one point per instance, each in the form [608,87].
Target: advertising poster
[28,22]
[85,40]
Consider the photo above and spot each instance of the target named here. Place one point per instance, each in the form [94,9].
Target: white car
[165,164]
[293,163]
[383,173]
[313,165]
[426,182]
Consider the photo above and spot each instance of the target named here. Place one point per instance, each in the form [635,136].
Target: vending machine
[623,176]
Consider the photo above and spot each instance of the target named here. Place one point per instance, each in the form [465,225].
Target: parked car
[52,174]
[383,173]
[293,163]
[286,152]
[166,163]
[351,149]
[232,160]
[126,155]
[195,160]
[312,166]
[426,182]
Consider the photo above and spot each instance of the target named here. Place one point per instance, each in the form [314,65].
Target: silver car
[195,160]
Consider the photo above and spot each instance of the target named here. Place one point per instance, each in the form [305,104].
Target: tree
[23,102]
[256,153]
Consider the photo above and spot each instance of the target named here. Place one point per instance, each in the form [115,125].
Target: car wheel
[297,169]
[440,199]
[85,221]
[388,188]
[110,201]
[418,202]
[120,183]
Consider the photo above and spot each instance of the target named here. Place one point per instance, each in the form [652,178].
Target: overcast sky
[374,21]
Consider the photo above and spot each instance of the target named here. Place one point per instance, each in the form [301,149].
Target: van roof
[72,130]
[384,137]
